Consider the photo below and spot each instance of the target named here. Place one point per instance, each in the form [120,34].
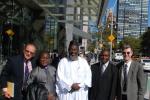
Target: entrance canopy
[80,33]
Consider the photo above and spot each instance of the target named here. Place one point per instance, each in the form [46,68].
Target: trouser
[124,97]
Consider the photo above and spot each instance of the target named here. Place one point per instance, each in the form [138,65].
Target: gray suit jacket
[41,76]
[135,82]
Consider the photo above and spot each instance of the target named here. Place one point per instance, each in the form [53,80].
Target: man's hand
[6,94]
[75,86]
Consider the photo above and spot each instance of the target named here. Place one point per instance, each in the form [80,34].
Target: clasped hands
[75,87]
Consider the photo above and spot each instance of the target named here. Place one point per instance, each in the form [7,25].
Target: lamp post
[100,28]
[111,34]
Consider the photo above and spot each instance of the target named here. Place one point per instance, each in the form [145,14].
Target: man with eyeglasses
[17,70]
[104,78]
[131,78]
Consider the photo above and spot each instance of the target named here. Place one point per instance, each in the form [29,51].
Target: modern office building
[132,18]
[49,23]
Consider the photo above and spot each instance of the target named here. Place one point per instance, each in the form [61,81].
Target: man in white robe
[73,76]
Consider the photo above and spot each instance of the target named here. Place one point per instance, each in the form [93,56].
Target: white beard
[73,58]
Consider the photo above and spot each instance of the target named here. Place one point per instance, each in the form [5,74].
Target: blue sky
[111,4]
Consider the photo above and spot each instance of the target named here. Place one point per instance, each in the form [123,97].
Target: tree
[145,43]
[134,42]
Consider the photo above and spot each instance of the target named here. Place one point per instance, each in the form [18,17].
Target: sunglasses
[126,53]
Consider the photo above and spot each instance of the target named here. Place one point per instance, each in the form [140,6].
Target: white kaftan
[70,72]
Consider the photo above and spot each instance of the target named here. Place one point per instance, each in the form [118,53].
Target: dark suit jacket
[135,83]
[14,71]
[103,85]
[37,91]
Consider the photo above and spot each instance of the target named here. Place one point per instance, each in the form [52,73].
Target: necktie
[125,77]
[26,72]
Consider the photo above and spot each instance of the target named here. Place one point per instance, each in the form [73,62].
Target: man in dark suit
[131,78]
[104,78]
[17,70]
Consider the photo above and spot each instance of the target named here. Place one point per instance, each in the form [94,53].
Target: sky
[112,2]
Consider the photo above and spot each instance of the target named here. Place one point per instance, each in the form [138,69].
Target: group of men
[77,80]
[124,81]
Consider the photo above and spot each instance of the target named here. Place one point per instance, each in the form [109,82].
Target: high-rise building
[132,18]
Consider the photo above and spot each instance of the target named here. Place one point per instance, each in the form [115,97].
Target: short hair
[73,42]
[44,52]
[126,46]
[105,50]
[30,43]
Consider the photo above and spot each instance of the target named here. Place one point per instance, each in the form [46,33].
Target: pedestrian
[17,70]
[73,76]
[131,78]
[43,76]
[104,78]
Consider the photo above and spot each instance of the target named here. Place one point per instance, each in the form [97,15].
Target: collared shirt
[128,64]
[104,66]
[29,66]
[128,67]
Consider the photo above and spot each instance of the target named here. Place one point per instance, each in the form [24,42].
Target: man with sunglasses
[131,79]
[104,78]
[17,70]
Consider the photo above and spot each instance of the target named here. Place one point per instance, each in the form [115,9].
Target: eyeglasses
[27,51]
[126,53]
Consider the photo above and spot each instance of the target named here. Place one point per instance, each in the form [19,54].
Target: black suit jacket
[14,71]
[103,85]
[37,91]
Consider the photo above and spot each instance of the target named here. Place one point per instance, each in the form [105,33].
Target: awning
[80,33]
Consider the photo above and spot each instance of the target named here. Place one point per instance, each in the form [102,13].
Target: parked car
[118,56]
[145,63]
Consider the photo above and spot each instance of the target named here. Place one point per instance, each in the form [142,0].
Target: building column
[69,26]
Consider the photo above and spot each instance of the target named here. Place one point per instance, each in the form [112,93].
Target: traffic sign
[111,38]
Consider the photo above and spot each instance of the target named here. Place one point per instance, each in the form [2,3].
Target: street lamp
[111,37]
[111,34]
[100,28]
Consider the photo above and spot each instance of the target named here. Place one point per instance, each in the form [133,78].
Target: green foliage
[91,46]
[134,42]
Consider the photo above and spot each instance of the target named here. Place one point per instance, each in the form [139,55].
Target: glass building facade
[51,24]
[132,18]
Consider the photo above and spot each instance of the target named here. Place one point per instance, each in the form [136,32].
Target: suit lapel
[21,64]
[98,69]
[120,74]
[130,70]
[107,68]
